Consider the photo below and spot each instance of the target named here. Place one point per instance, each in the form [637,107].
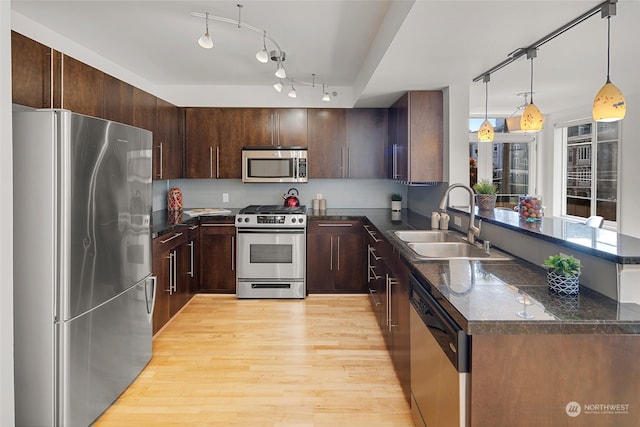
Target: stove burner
[273,210]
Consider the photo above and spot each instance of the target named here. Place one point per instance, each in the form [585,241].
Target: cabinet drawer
[170,240]
[226,227]
[334,227]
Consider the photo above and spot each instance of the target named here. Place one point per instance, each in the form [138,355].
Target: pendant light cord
[531,80]
[608,45]
[486,100]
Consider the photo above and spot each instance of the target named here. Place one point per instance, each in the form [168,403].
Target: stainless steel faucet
[472,231]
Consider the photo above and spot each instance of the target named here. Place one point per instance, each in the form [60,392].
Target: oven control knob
[246,220]
[239,219]
[300,220]
[293,220]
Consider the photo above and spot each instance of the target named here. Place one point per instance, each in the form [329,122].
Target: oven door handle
[270,231]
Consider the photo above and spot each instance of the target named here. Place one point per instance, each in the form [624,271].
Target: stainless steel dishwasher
[439,363]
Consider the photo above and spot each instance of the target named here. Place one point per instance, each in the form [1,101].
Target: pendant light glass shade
[531,119]
[278,87]
[486,132]
[609,104]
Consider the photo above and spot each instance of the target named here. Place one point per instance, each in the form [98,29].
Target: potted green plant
[485,194]
[563,274]
[396,201]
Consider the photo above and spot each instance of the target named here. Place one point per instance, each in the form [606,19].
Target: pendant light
[486,132]
[292,93]
[531,119]
[205,40]
[278,86]
[609,104]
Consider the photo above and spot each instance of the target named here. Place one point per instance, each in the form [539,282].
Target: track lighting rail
[607,8]
[277,55]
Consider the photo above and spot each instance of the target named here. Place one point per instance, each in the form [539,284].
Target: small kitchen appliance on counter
[271,252]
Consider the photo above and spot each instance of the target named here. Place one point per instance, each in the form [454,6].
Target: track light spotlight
[205,40]
[278,87]
[292,93]
[263,55]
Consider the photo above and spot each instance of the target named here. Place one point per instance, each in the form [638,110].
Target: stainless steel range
[271,253]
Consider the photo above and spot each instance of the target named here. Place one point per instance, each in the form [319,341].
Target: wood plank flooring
[227,362]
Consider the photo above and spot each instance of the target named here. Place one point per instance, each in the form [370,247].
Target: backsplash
[339,193]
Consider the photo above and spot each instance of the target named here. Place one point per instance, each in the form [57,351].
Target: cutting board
[207,211]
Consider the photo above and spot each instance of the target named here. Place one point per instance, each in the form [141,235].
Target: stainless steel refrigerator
[83,290]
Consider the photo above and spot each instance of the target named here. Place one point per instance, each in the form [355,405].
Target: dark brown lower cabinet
[167,252]
[387,281]
[334,257]
[218,256]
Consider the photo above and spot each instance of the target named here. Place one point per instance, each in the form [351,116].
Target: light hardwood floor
[227,362]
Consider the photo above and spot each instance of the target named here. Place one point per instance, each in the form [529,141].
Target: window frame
[563,135]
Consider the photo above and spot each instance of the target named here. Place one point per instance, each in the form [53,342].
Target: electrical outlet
[225,197]
[457,221]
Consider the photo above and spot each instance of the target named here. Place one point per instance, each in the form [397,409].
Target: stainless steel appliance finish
[271,261]
[274,164]
[439,363]
[83,293]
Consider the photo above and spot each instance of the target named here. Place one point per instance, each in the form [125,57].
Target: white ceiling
[378,48]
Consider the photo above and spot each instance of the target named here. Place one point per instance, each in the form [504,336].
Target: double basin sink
[443,244]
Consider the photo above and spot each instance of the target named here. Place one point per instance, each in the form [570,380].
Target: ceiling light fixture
[292,93]
[609,104]
[325,94]
[532,119]
[205,40]
[263,55]
[486,132]
[277,54]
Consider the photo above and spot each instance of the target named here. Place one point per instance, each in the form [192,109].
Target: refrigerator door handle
[154,282]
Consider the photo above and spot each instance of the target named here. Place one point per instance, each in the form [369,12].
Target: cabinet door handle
[278,129]
[233,253]
[191,244]
[331,253]
[395,161]
[160,161]
[171,238]
[175,272]
[210,162]
[388,292]
[170,258]
[348,162]
[338,250]
[193,227]
[218,162]
[273,127]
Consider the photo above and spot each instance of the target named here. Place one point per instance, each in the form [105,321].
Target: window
[590,180]
[507,161]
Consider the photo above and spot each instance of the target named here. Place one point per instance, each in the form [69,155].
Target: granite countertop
[599,242]
[163,221]
[483,296]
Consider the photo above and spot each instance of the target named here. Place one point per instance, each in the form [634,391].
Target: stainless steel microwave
[274,164]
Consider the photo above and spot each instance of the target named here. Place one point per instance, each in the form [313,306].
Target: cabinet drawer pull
[171,238]
[193,227]
[372,234]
